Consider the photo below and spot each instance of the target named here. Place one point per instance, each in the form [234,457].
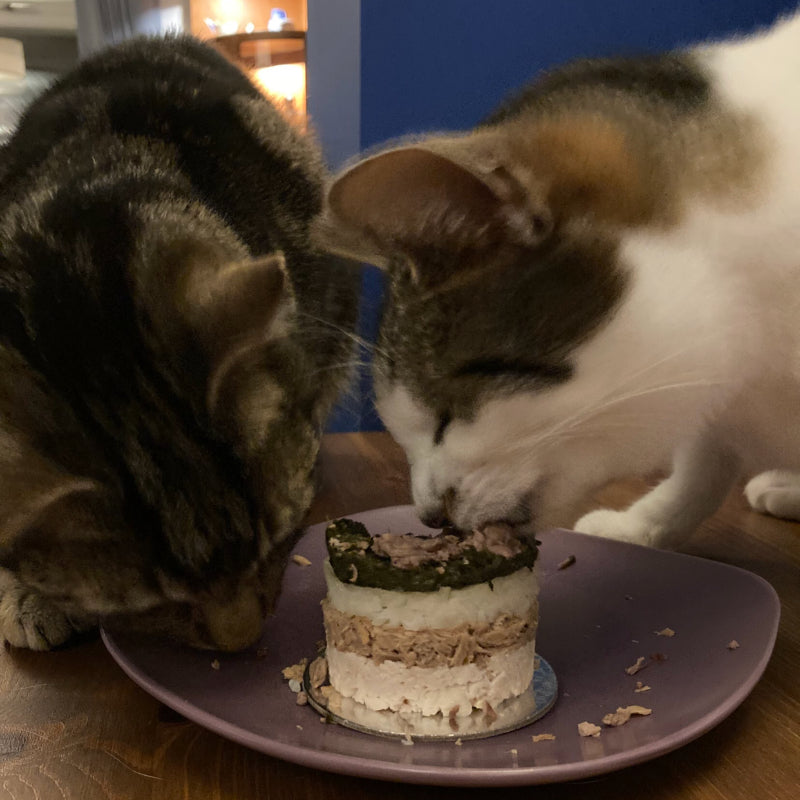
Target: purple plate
[597,617]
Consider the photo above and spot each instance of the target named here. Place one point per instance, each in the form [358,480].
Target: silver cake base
[514,713]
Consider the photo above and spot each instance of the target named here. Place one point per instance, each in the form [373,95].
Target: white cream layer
[428,691]
[445,608]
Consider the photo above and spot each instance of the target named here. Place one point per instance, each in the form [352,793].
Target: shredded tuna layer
[434,647]
[408,551]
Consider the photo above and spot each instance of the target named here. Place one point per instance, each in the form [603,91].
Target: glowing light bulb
[284,82]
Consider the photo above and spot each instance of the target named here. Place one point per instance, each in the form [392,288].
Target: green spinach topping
[351,554]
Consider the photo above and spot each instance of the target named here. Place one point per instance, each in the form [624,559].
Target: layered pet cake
[430,624]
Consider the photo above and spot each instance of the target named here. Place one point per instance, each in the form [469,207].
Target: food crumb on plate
[452,718]
[589,729]
[458,742]
[295,671]
[333,700]
[567,562]
[640,687]
[668,632]
[301,560]
[622,715]
[407,740]
[318,672]
[659,657]
[640,664]
[543,737]
[733,645]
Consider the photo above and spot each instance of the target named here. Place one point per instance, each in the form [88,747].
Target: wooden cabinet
[276,60]
[243,13]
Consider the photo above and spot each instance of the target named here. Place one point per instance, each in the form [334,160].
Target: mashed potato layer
[513,594]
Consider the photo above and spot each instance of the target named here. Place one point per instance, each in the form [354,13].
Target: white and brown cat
[602,280]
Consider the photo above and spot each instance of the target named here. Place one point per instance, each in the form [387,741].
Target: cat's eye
[542,371]
[444,420]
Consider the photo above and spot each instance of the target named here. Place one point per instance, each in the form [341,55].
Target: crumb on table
[301,560]
[543,737]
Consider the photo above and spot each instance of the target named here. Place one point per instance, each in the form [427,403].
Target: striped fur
[170,344]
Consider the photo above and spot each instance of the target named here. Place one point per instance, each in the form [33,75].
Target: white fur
[700,367]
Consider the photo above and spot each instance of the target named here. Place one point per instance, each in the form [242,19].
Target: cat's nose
[435,519]
[440,516]
[235,623]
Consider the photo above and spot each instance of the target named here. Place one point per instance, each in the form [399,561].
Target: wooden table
[74,727]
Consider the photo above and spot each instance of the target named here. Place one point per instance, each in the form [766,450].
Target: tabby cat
[602,280]
[170,345]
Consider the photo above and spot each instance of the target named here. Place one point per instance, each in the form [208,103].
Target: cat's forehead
[504,326]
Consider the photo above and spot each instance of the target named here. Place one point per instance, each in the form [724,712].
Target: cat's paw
[776,492]
[29,620]
[623,526]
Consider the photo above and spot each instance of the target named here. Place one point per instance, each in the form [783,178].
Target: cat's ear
[235,310]
[472,195]
[448,194]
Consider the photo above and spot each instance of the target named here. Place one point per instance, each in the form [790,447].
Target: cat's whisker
[355,366]
[354,337]
[579,418]
[696,345]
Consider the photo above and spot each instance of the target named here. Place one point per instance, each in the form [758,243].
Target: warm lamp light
[285,83]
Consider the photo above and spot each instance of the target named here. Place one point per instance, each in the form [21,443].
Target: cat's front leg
[27,619]
[703,472]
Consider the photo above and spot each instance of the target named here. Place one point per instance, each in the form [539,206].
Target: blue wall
[444,64]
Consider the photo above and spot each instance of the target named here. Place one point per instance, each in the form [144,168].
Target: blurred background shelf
[47,29]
